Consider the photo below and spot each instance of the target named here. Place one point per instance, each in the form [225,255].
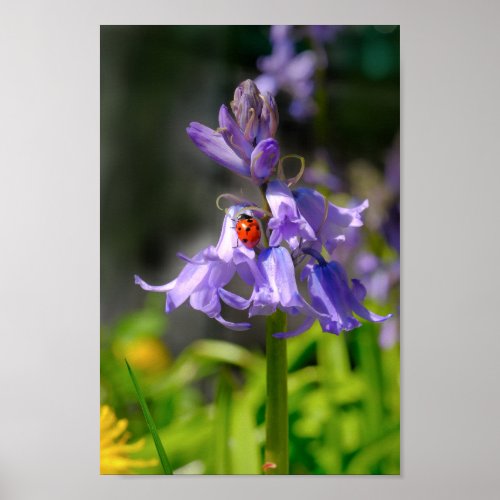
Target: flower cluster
[296,224]
[285,69]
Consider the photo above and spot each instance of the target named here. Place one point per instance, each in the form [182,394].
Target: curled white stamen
[231,197]
[292,180]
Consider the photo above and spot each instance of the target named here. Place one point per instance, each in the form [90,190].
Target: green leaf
[370,456]
[222,425]
[167,469]
[245,436]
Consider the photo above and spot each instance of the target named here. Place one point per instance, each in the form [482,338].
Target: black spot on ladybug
[239,229]
[250,220]
[247,229]
[244,240]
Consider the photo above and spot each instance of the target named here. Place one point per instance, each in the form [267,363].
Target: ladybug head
[244,217]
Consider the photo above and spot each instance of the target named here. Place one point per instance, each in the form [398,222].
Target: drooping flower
[327,219]
[274,286]
[287,223]
[303,219]
[332,296]
[207,273]
[244,145]
[115,449]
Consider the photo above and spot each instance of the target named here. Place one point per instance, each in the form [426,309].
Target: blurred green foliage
[209,403]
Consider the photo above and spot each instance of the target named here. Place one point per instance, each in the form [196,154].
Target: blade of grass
[167,469]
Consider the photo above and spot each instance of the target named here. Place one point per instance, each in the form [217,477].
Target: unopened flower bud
[265,156]
[247,107]
[269,118]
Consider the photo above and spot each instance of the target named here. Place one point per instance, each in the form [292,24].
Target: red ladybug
[248,230]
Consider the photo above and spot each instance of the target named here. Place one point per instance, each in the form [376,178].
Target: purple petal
[358,290]
[151,288]
[276,264]
[214,146]
[293,333]
[207,301]
[362,311]
[191,277]
[221,273]
[312,206]
[269,118]
[287,223]
[233,300]
[227,246]
[264,159]
[331,295]
[347,217]
[233,135]
[237,327]
[247,107]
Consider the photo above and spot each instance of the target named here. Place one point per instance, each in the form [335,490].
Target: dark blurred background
[158,190]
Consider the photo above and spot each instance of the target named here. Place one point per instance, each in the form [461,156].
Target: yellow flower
[147,354]
[115,452]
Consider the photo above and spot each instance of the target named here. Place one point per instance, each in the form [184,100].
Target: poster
[287,134]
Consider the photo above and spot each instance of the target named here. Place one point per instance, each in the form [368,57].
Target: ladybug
[248,230]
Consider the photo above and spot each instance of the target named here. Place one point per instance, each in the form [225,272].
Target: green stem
[276,455]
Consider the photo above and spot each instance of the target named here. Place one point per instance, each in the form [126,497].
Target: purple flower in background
[379,277]
[244,145]
[331,295]
[285,69]
[391,225]
[389,334]
[324,33]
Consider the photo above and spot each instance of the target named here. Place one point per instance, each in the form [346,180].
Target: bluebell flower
[332,296]
[287,223]
[303,219]
[275,286]
[327,220]
[204,275]
[244,145]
